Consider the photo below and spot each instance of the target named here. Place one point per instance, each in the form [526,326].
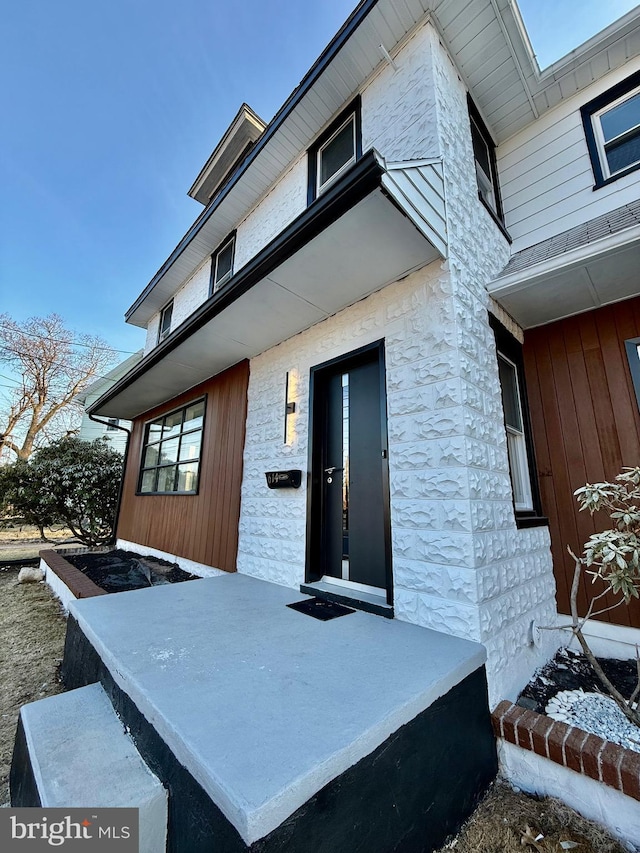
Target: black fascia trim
[317,69]
[587,112]
[358,182]
[498,213]
[512,348]
[355,109]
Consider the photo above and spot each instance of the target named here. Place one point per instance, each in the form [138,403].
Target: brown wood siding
[202,527]
[586,427]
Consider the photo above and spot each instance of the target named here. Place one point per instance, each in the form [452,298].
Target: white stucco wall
[460,565]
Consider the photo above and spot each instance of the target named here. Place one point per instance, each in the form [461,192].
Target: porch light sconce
[289,407]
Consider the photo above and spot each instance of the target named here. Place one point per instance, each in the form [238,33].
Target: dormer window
[165,322]
[222,264]
[335,151]
[612,129]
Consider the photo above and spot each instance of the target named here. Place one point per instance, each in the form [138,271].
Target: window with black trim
[526,495]
[171,452]
[222,263]
[612,129]
[112,424]
[335,150]
[484,153]
[165,322]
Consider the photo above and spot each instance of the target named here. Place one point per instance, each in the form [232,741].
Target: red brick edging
[77,582]
[585,753]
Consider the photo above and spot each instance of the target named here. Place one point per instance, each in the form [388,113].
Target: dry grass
[32,630]
[507,821]
[23,542]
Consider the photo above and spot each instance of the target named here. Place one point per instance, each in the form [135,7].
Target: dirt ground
[32,629]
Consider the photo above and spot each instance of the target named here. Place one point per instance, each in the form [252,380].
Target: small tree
[613,556]
[21,495]
[70,482]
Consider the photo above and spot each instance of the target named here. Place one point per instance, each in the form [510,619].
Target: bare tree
[51,364]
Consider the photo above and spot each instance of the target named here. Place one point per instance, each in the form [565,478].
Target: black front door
[350,503]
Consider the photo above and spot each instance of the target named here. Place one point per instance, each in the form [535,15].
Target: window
[516,441]
[526,497]
[335,150]
[112,424]
[222,264]
[633,356]
[171,452]
[485,163]
[612,129]
[165,322]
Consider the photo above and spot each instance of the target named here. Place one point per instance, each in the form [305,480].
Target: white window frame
[320,188]
[517,451]
[217,283]
[164,333]
[599,135]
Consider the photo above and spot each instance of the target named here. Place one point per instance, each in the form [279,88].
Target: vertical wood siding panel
[202,527]
[586,426]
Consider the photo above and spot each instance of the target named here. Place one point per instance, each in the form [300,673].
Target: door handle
[331,470]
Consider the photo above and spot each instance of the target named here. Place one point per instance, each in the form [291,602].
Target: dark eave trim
[358,182]
[328,54]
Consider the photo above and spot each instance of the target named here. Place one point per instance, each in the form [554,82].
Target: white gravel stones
[594,713]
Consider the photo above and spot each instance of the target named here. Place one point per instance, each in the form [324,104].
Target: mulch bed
[569,670]
[121,571]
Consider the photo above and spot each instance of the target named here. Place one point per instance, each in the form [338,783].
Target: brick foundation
[584,753]
[77,582]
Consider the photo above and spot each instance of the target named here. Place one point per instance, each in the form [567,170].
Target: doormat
[321,609]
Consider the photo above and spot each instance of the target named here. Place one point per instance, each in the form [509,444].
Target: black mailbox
[284,479]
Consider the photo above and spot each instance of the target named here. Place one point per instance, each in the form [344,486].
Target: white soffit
[371,245]
[601,273]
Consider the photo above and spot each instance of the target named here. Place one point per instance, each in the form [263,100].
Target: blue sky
[111,109]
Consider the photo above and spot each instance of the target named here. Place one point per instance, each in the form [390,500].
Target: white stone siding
[152,334]
[286,200]
[460,565]
[398,106]
[514,568]
[193,293]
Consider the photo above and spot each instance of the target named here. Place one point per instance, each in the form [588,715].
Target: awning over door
[376,225]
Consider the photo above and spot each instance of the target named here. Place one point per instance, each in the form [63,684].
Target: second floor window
[612,130]
[485,163]
[222,264]
[335,150]
[165,322]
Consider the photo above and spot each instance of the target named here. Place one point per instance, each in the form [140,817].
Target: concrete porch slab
[261,704]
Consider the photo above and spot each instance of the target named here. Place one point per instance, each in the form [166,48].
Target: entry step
[73,751]
[358,599]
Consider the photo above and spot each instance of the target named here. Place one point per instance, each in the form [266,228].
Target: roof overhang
[374,226]
[587,277]
[492,53]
